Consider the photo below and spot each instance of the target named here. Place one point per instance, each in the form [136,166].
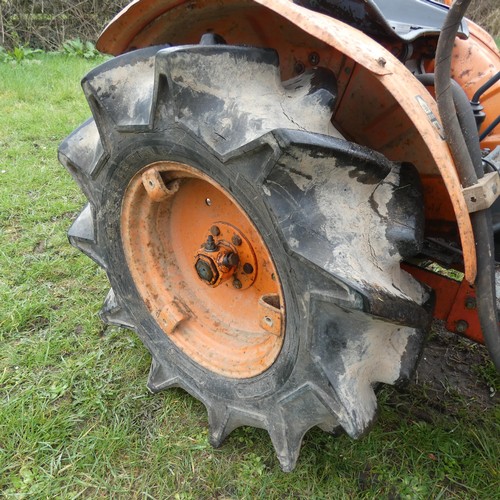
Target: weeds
[77,48]
[72,48]
[18,54]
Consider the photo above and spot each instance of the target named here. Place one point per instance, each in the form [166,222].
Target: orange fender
[380,103]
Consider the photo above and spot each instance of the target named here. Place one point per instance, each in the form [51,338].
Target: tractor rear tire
[254,251]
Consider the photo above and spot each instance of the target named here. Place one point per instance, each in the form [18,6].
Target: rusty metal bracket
[155,186]
[482,194]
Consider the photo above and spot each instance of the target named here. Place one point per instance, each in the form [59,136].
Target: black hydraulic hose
[468,173]
[444,96]
[468,126]
[465,117]
[481,90]
[485,283]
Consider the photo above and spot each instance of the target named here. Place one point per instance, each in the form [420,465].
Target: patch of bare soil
[455,378]
[454,375]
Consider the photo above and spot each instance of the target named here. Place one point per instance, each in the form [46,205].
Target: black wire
[490,128]
[481,90]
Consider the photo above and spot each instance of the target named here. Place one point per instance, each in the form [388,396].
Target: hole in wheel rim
[218,324]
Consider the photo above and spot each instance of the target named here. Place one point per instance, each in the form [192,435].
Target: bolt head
[236,240]
[237,284]
[462,326]
[215,231]
[470,303]
[314,58]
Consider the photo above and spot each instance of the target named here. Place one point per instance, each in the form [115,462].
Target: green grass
[75,417]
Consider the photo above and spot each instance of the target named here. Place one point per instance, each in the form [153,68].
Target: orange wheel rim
[203,270]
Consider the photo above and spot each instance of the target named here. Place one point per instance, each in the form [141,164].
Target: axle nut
[206,271]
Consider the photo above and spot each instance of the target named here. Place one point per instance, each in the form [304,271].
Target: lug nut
[237,284]
[231,259]
[248,268]
[462,326]
[215,230]
[236,240]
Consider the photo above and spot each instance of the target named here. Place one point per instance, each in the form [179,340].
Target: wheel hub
[219,260]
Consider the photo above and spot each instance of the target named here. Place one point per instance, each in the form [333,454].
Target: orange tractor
[268,183]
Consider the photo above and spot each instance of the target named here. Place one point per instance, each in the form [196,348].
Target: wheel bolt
[210,245]
[231,259]
[237,284]
[215,230]
[236,240]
